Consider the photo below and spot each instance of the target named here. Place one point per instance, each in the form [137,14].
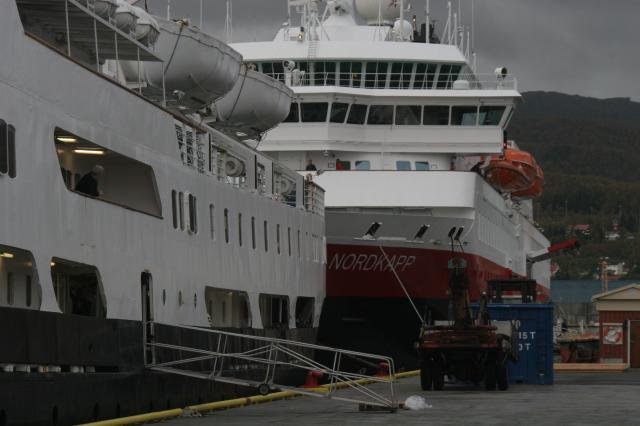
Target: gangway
[226,357]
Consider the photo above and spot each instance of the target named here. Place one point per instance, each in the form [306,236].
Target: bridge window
[448,74]
[403,165]
[325,74]
[314,112]
[400,75]
[357,114]
[424,76]
[7,149]
[422,165]
[380,114]
[77,288]
[464,115]
[490,115]
[363,165]
[107,175]
[350,74]
[376,75]
[407,115]
[338,112]
[294,115]
[436,115]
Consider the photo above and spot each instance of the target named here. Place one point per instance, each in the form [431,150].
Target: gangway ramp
[260,362]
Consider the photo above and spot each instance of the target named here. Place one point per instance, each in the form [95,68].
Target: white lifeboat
[125,17]
[256,103]
[105,9]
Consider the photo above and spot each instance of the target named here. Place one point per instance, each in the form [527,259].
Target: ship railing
[399,81]
[261,362]
[313,198]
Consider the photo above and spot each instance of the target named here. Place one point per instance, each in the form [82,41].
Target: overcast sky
[585,47]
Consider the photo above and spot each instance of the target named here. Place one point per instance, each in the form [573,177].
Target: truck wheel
[490,374]
[438,376]
[426,377]
[501,377]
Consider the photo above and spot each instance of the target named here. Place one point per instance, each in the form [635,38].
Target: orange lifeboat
[515,172]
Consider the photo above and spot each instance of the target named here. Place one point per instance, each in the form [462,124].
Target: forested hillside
[589,150]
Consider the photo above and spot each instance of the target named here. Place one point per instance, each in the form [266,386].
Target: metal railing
[397,81]
[313,198]
[226,357]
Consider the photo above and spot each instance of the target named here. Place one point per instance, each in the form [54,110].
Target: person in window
[310,166]
[339,164]
[89,182]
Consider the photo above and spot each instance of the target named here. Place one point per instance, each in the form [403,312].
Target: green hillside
[589,150]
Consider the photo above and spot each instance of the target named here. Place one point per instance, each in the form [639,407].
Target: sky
[583,47]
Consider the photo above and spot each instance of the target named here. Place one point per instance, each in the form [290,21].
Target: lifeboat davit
[515,172]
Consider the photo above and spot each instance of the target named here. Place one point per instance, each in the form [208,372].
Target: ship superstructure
[183,223]
[403,135]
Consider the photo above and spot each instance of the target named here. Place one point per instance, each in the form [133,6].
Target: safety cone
[383,369]
[312,379]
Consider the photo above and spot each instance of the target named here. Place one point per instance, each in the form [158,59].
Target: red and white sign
[612,334]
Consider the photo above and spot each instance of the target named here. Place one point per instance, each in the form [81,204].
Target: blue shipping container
[534,323]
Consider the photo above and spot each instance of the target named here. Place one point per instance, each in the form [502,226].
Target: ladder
[256,361]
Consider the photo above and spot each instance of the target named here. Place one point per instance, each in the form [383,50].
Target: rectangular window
[240,229]
[380,114]
[408,115]
[464,115]
[299,253]
[338,112]
[289,240]
[253,232]
[226,225]
[212,221]
[278,238]
[363,165]
[10,288]
[357,114]
[294,115]
[174,208]
[28,291]
[490,115]
[443,76]
[314,112]
[424,76]
[4,148]
[266,237]
[403,165]
[422,165]
[436,115]
[193,214]
[400,75]
[181,208]
[11,154]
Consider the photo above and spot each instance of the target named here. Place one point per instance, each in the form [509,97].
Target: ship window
[448,74]
[274,310]
[77,288]
[436,115]
[278,238]
[464,115]
[325,74]
[299,253]
[253,232]
[226,225]
[403,165]
[363,165]
[422,165]
[181,209]
[400,75]
[294,114]
[278,71]
[338,112]
[267,68]
[357,114]
[240,229]
[314,112]
[491,115]
[424,76]
[380,114]
[17,267]
[266,236]
[107,175]
[28,290]
[304,312]
[174,208]
[193,214]
[376,75]
[407,115]
[350,74]
[7,149]
[289,239]
[227,308]
[212,221]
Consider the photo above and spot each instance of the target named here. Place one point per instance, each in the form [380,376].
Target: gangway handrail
[272,353]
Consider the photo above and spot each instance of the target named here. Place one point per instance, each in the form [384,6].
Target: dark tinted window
[363,165]
[314,112]
[436,115]
[422,165]
[408,114]
[357,113]
[11,142]
[325,73]
[464,115]
[376,75]
[491,115]
[400,75]
[4,151]
[174,208]
[403,165]
[424,76]
[338,112]
[350,74]
[380,114]
[293,116]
